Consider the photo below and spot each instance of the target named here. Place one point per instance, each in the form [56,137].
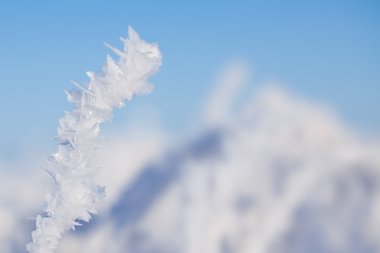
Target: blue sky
[326,51]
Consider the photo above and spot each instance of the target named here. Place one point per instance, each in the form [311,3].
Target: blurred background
[262,134]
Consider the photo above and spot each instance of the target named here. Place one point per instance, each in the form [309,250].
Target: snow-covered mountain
[283,175]
[277,174]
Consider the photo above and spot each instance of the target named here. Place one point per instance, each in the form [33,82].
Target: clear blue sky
[328,51]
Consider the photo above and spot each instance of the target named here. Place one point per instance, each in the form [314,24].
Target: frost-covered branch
[75,195]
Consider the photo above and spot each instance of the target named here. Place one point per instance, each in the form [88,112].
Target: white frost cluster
[74,196]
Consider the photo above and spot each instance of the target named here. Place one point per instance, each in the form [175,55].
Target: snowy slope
[282,176]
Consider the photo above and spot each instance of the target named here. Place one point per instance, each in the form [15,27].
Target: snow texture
[75,195]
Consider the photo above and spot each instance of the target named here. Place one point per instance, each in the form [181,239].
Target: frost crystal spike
[74,196]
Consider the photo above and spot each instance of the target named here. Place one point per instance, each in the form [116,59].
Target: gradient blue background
[327,51]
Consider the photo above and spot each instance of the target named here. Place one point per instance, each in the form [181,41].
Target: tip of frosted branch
[132,34]
[116,51]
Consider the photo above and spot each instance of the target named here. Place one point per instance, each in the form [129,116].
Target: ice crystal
[74,196]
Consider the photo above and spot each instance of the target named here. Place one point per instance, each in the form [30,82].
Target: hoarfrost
[74,196]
